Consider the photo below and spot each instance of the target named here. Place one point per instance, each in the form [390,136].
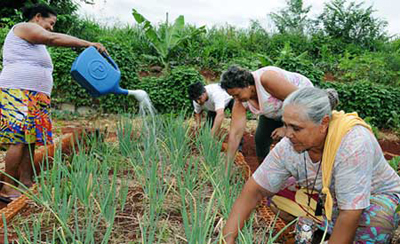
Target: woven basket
[12,209]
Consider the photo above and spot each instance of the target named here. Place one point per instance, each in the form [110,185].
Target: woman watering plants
[263,92]
[25,86]
[336,155]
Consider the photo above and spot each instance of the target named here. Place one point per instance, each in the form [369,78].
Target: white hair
[316,102]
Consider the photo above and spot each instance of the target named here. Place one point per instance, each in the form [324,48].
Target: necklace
[318,210]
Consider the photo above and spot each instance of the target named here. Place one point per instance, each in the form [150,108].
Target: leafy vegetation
[394,163]
[344,47]
[168,93]
[373,101]
[371,67]
[293,18]
[170,36]
[352,24]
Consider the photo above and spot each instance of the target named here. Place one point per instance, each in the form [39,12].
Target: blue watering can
[100,75]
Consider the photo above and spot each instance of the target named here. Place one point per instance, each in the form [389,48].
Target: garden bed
[190,201]
[187,203]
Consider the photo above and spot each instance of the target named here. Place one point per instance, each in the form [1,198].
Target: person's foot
[9,192]
[26,183]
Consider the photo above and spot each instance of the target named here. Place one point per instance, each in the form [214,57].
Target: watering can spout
[140,95]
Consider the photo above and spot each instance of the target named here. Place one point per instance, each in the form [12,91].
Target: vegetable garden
[154,180]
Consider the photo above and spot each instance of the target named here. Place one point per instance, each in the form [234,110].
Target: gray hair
[316,102]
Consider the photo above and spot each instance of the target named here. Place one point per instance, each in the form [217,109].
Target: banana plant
[169,37]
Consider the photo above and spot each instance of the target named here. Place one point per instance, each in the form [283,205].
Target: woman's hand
[247,201]
[99,47]
[345,227]
[278,133]
[238,125]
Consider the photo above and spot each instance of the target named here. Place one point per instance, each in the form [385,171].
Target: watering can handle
[110,60]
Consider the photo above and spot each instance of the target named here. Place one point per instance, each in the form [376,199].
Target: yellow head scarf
[339,125]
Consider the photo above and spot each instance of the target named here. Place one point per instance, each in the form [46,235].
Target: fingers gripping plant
[168,37]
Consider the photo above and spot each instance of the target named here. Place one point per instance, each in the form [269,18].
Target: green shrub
[125,56]
[67,90]
[298,42]
[250,62]
[323,52]
[255,38]
[396,44]
[375,67]
[377,102]
[394,163]
[168,93]
[301,64]
[352,23]
[3,34]
[221,45]
[168,37]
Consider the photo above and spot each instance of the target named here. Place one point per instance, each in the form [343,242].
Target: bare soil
[210,76]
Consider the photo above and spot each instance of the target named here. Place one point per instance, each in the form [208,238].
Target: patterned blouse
[360,170]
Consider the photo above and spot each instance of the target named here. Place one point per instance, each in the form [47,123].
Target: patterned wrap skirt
[25,117]
[377,222]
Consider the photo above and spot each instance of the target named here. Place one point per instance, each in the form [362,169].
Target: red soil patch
[390,148]
[210,75]
[329,77]
[249,151]
[152,71]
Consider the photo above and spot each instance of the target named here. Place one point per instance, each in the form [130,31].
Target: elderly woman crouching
[336,155]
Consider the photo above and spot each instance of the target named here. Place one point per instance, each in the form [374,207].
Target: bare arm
[35,34]
[218,121]
[197,117]
[277,85]
[238,125]
[345,227]
[248,199]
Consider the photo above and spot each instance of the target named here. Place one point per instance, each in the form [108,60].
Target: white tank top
[25,65]
[269,106]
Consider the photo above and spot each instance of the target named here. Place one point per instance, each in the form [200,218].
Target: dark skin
[274,84]
[39,31]
[220,115]
[305,136]
[18,158]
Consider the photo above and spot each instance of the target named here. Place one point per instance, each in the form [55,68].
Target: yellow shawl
[340,124]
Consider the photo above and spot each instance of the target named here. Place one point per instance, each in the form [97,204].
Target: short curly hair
[44,10]
[236,77]
[195,90]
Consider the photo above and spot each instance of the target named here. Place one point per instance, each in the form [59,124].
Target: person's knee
[13,151]
[16,147]
[379,220]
